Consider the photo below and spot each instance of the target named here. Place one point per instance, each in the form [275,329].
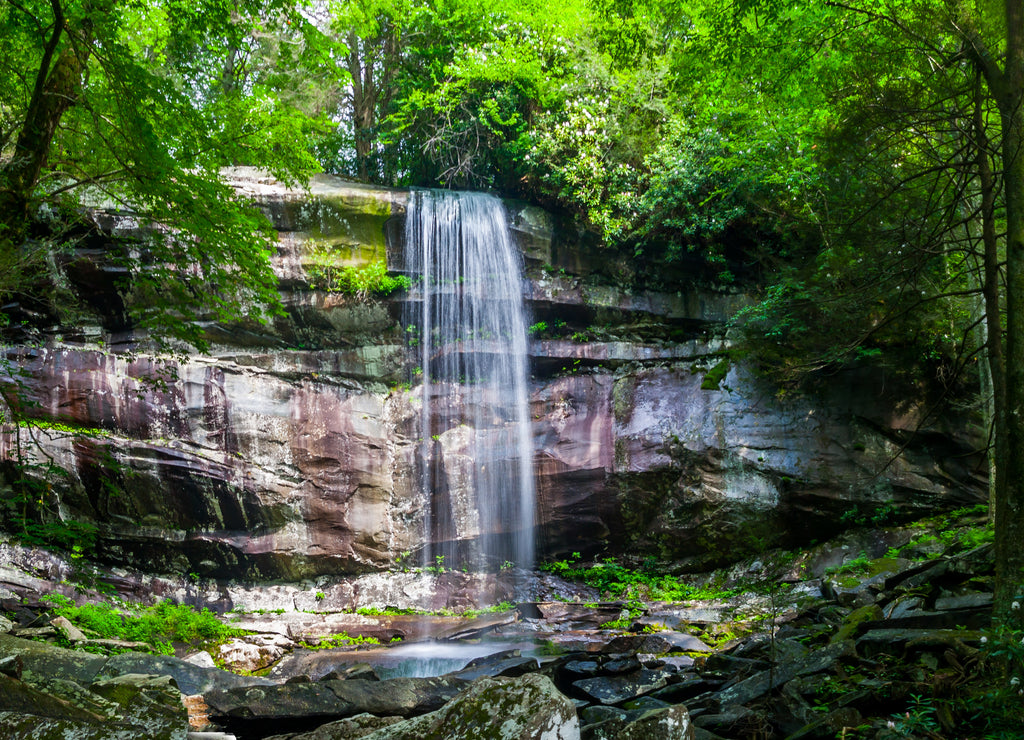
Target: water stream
[468,325]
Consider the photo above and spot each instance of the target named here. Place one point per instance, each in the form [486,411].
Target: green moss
[623,393]
[854,621]
[714,377]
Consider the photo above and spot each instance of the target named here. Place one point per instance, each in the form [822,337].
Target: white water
[468,324]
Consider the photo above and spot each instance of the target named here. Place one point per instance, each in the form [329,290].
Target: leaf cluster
[158,625]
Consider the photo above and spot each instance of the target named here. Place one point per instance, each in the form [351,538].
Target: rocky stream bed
[881,634]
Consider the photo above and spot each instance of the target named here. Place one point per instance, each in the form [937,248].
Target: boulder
[618,688]
[344,729]
[124,708]
[524,708]
[151,703]
[251,653]
[265,709]
[507,663]
[67,630]
[666,723]
[761,683]
[190,678]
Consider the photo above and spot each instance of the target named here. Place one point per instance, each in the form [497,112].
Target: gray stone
[617,689]
[667,723]
[599,713]
[976,600]
[10,665]
[683,642]
[901,606]
[151,703]
[622,665]
[683,688]
[581,667]
[363,671]
[50,661]
[69,631]
[190,679]
[644,704]
[723,721]
[344,729]
[245,709]
[761,683]
[201,658]
[125,708]
[240,654]
[511,666]
[606,729]
[895,641]
[677,662]
[29,633]
[524,708]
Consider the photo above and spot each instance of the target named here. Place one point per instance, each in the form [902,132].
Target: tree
[1006,85]
[139,104]
[924,160]
[442,93]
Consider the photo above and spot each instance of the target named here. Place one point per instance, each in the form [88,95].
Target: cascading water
[468,324]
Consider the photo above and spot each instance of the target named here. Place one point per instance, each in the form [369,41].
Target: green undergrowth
[371,279]
[340,639]
[615,580]
[945,534]
[957,531]
[373,611]
[158,626]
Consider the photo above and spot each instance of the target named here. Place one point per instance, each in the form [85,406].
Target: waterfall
[467,323]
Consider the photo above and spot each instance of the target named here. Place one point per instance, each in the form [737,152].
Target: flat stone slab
[681,642]
[246,708]
[620,688]
[761,683]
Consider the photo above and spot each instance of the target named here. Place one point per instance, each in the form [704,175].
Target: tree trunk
[994,367]
[364,102]
[56,91]
[1009,534]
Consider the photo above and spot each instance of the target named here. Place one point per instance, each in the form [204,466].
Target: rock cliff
[287,451]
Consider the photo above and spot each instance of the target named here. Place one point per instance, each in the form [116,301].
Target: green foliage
[498,608]
[32,510]
[864,515]
[339,640]
[620,624]
[155,100]
[327,273]
[373,611]
[158,625]
[955,531]
[438,567]
[616,580]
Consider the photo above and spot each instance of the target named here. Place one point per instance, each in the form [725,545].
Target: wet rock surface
[288,451]
[805,666]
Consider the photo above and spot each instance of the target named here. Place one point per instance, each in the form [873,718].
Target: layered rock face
[289,450]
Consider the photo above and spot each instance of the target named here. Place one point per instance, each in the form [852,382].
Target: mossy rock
[855,620]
